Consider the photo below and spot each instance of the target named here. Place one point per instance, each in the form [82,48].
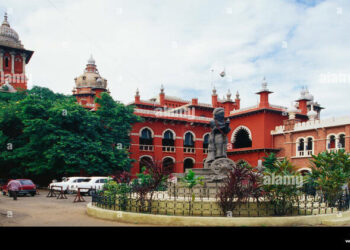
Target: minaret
[303,99]
[214,98]
[13,57]
[137,96]
[237,101]
[264,95]
[162,96]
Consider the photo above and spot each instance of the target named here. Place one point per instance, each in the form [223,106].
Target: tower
[13,58]
[89,85]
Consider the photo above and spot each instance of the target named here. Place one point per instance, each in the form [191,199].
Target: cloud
[176,43]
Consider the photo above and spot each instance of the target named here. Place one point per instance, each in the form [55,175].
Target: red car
[27,187]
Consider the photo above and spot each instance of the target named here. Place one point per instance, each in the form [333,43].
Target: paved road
[43,211]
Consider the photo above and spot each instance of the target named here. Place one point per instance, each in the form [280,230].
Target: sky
[185,44]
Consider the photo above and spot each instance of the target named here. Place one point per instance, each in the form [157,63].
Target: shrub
[240,184]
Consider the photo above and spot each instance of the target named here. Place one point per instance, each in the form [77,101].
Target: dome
[8,36]
[312,114]
[91,78]
[292,109]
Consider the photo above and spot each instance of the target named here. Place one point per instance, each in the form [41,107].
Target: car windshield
[26,182]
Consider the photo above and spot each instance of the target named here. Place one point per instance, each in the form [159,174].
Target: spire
[264,84]
[137,92]
[91,60]
[214,90]
[5,22]
[228,94]
[162,89]
[237,95]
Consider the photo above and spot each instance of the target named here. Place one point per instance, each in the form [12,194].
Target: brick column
[347,139]
[199,153]
[179,143]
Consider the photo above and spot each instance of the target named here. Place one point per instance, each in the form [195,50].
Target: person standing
[13,187]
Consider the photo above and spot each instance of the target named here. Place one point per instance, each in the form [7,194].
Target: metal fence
[203,201]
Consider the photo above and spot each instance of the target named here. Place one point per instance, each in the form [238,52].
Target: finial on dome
[162,89]
[237,95]
[91,60]
[264,84]
[137,92]
[214,90]
[5,22]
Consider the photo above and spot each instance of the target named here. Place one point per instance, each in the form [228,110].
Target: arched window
[168,164]
[341,143]
[242,139]
[309,146]
[301,147]
[7,62]
[168,141]
[206,143]
[188,163]
[331,142]
[189,143]
[145,162]
[146,140]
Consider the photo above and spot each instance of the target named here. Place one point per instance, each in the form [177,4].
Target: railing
[172,115]
[168,148]
[146,147]
[205,150]
[179,201]
[189,150]
[300,153]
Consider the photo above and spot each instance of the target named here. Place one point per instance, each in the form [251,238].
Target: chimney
[303,102]
[194,101]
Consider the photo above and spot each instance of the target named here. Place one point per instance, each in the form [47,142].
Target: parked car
[95,183]
[27,187]
[68,184]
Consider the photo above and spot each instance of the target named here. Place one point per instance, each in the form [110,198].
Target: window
[301,147]
[341,143]
[206,143]
[188,164]
[189,143]
[168,141]
[331,142]
[145,162]
[309,146]
[242,139]
[146,140]
[168,164]
[6,62]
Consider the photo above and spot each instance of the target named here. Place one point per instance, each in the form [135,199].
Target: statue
[217,147]
[217,165]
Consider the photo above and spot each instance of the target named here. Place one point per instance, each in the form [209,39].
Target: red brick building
[13,59]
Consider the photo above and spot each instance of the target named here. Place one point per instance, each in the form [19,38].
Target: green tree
[330,171]
[53,136]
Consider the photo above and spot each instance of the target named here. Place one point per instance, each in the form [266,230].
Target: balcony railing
[205,150]
[168,149]
[189,150]
[146,147]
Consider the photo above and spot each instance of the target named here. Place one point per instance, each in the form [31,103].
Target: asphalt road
[42,211]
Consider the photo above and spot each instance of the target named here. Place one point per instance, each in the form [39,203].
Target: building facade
[13,59]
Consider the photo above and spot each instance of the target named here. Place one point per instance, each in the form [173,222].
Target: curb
[194,221]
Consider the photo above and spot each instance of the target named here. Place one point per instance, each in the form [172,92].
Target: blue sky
[143,44]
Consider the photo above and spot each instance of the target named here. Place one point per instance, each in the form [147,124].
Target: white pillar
[24,63]
[12,62]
